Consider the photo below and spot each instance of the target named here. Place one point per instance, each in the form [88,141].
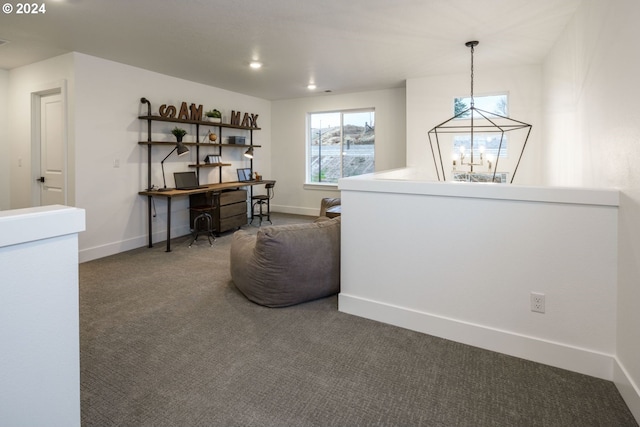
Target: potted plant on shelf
[214,115]
[179,133]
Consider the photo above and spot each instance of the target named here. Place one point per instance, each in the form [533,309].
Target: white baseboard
[629,391]
[556,354]
[296,210]
[160,235]
[159,238]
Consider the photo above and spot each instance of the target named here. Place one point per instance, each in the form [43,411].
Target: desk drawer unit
[234,209]
[236,196]
[232,212]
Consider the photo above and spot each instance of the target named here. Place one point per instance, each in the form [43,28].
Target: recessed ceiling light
[255,65]
[311,86]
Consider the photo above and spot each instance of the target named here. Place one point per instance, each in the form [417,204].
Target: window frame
[309,182]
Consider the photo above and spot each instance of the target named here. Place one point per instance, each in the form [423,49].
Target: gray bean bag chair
[287,264]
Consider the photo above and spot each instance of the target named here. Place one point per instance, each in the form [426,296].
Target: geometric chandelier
[484,134]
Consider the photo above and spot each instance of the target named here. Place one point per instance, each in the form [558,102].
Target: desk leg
[168,224]
[149,219]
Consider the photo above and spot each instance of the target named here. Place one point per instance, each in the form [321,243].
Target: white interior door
[52,151]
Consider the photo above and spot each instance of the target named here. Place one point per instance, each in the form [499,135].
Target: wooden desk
[170,194]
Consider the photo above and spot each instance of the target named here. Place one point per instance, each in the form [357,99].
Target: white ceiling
[341,45]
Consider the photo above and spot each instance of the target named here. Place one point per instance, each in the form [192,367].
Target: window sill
[318,186]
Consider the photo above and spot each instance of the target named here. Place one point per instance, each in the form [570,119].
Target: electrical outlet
[537,302]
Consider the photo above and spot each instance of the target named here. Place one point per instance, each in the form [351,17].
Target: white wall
[107,130]
[104,103]
[5,146]
[460,260]
[430,102]
[24,81]
[39,316]
[592,138]
[289,143]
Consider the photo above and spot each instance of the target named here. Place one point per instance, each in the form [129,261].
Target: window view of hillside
[495,104]
[341,144]
[491,145]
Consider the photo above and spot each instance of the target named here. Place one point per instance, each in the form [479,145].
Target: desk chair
[202,220]
[262,200]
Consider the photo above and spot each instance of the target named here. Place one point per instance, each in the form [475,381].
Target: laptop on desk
[187,181]
[244,175]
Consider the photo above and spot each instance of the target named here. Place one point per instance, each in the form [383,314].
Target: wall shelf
[208,165]
[200,144]
[150,118]
[195,122]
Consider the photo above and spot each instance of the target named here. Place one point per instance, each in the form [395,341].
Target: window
[496,104]
[340,144]
[485,144]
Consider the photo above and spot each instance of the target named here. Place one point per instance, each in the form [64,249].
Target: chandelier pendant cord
[472,45]
[472,49]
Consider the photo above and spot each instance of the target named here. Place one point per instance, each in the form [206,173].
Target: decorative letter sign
[250,121]
[169,111]
[235,118]
[194,113]
[186,113]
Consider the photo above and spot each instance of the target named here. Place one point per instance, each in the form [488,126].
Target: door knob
[41,179]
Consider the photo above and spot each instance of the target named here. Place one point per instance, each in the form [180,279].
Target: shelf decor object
[476,165]
[214,116]
[179,134]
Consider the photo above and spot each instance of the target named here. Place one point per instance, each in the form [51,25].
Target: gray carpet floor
[167,340]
